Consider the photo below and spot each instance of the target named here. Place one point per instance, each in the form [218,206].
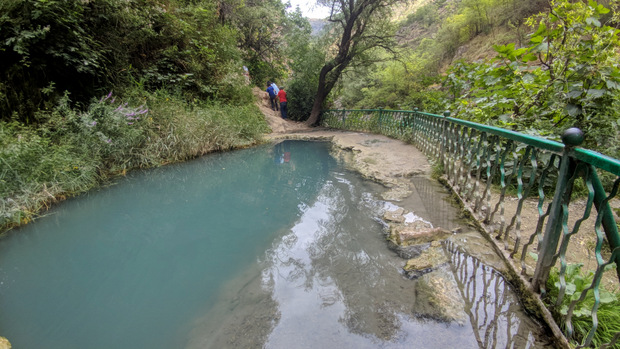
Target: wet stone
[427,261]
[407,252]
[411,235]
[397,192]
[395,216]
[439,291]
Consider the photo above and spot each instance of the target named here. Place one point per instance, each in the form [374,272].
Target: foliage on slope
[193,48]
[554,69]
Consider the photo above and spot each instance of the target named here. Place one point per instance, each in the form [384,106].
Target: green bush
[88,47]
[567,76]
[426,15]
[577,282]
[307,59]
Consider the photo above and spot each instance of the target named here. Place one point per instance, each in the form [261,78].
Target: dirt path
[275,121]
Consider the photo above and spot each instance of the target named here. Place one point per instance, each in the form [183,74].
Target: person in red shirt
[282,97]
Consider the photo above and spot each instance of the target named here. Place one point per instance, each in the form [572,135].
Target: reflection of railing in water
[483,164]
[442,211]
[489,304]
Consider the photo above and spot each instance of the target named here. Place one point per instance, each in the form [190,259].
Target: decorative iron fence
[505,177]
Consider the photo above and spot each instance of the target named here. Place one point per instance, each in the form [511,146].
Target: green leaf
[543,47]
[572,110]
[593,21]
[582,312]
[595,93]
[530,57]
[574,94]
[505,117]
[542,29]
[534,255]
[601,9]
[536,39]
[528,78]
[612,85]
[504,49]
[606,297]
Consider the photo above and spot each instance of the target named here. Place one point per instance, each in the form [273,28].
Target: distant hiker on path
[282,97]
[275,88]
[272,96]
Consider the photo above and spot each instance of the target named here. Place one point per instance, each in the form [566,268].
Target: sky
[309,8]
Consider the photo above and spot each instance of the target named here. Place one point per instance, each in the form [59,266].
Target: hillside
[468,29]
[317,25]
[515,64]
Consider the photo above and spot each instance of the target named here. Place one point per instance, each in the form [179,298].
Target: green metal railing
[491,168]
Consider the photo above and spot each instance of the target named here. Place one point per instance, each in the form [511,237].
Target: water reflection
[129,266]
[291,242]
[493,310]
[331,282]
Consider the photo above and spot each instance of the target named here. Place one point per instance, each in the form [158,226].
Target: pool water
[276,246]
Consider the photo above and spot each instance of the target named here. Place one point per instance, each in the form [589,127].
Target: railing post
[563,188]
[380,117]
[344,118]
[444,125]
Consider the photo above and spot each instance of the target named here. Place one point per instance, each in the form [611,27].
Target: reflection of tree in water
[493,310]
[342,261]
[341,255]
[331,278]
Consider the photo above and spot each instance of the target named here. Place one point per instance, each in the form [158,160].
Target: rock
[418,224]
[407,252]
[4,343]
[398,190]
[437,297]
[395,216]
[413,235]
[429,259]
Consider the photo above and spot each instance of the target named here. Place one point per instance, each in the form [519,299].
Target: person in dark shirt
[272,96]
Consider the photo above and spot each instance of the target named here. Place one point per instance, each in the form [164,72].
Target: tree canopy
[87,48]
[359,27]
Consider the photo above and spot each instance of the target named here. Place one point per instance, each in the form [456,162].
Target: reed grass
[70,152]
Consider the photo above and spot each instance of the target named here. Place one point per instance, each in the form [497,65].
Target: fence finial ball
[446,113]
[572,137]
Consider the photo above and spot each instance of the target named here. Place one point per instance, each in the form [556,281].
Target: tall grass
[70,152]
[608,312]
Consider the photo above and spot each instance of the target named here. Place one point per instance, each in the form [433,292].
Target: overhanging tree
[360,26]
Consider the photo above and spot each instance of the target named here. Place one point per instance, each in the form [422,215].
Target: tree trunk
[322,92]
[316,107]
[356,16]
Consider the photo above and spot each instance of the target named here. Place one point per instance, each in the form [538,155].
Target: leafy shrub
[307,58]
[87,47]
[567,76]
[577,282]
